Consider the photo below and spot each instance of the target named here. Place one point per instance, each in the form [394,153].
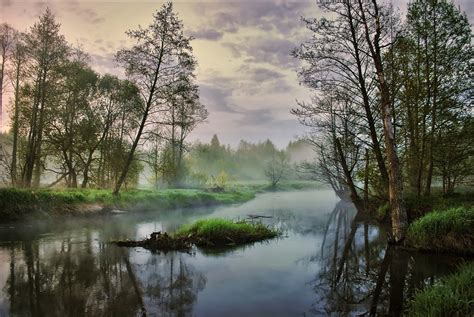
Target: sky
[246,75]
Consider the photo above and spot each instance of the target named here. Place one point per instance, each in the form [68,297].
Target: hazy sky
[246,75]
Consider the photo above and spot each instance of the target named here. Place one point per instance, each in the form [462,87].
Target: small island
[207,233]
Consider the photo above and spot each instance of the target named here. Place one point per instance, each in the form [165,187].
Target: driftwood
[257,216]
[159,241]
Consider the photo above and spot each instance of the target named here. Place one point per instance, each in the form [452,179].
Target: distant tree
[179,117]
[276,167]
[161,53]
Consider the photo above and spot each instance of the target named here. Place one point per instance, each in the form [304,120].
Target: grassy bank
[444,231]
[451,296]
[18,204]
[418,207]
[207,233]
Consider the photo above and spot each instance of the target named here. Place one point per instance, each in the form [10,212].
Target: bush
[224,231]
[449,231]
[451,296]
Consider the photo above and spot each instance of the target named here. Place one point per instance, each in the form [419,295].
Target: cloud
[217,97]
[283,16]
[86,14]
[206,34]
[262,116]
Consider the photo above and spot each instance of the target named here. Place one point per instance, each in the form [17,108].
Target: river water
[330,261]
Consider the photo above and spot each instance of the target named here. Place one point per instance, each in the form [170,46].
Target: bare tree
[276,168]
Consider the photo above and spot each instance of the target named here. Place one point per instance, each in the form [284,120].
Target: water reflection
[89,279]
[362,275]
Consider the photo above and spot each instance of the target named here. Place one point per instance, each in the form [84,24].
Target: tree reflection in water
[78,278]
[360,274]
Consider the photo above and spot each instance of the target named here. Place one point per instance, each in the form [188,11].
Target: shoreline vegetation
[451,296]
[207,233]
[445,231]
[24,204]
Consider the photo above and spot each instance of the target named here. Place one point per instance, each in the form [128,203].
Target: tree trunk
[2,75]
[398,211]
[15,125]
[131,154]
[350,183]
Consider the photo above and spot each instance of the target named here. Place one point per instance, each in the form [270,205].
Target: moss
[451,296]
[451,230]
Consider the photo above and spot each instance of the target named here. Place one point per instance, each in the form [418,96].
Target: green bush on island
[207,233]
[224,231]
[451,296]
[445,231]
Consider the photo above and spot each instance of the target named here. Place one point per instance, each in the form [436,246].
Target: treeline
[208,163]
[92,130]
[392,112]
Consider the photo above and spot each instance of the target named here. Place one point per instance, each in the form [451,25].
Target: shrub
[450,230]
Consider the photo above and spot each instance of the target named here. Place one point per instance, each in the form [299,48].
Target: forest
[381,182]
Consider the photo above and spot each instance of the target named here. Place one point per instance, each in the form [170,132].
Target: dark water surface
[330,262]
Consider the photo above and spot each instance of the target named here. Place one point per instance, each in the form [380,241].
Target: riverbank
[22,204]
[451,296]
[447,231]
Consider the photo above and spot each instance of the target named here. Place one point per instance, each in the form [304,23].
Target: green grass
[16,204]
[451,230]
[214,232]
[451,296]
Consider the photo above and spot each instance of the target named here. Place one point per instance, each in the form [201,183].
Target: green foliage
[197,179]
[448,231]
[451,296]
[221,180]
[383,211]
[224,231]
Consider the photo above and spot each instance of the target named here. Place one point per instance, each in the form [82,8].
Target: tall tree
[336,57]
[8,37]
[160,54]
[374,19]
[18,61]
[47,50]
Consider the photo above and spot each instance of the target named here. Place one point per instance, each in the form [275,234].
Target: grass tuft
[451,296]
[214,232]
[445,231]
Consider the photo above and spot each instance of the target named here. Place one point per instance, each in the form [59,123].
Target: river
[330,261]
